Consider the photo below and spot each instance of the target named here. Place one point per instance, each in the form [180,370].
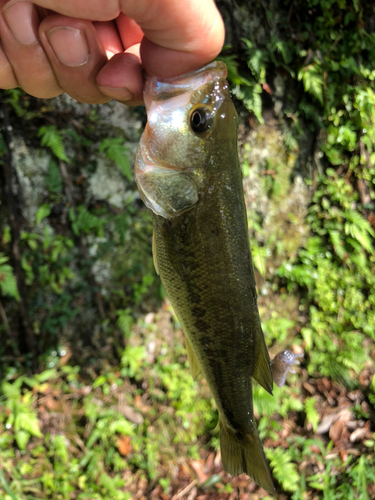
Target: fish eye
[200,121]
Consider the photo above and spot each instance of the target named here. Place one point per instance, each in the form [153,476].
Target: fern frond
[52,138]
[116,151]
[283,468]
[311,414]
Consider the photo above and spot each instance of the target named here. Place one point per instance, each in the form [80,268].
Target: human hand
[49,47]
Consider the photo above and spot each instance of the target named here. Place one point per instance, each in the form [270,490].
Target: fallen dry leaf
[193,494]
[140,404]
[51,403]
[309,388]
[339,426]
[124,446]
[331,416]
[315,449]
[131,414]
[361,433]
[66,355]
[217,462]
[357,435]
[197,467]
[267,88]
[209,466]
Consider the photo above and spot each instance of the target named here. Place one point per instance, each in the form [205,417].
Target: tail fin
[245,454]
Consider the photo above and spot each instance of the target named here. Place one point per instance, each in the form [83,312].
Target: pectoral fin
[193,362]
[154,254]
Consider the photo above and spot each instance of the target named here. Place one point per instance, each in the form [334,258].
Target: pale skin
[96,50]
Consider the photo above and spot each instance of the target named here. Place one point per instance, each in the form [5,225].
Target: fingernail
[23,21]
[117,93]
[70,45]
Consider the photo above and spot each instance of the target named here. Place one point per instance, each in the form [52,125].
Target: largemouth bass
[188,174]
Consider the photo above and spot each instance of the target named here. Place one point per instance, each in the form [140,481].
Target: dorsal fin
[195,367]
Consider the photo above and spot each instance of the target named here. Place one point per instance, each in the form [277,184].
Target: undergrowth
[76,428]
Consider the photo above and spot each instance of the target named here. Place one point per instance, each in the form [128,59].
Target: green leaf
[124,320]
[312,78]
[102,379]
[283,468]
[116,150]
[22,438]
[42,213]
[311,413]
[121,427]
[283,48]
[46,375]
[60,448]
[8,283]
[84,221]
[53,179]
[7,487]
[27,422]
[52,138]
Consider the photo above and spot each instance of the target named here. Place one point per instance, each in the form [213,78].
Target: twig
[185,490]
[5,319]
[67,183]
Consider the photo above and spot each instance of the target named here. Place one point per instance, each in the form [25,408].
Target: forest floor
[127,421]
[145,430]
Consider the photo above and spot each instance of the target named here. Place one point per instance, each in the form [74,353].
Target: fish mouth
[161,89]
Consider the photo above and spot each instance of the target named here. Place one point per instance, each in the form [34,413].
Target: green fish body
[188,173]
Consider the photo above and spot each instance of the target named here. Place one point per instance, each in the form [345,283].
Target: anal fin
[262,370]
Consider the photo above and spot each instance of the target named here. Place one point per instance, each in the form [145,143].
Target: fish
[188,173]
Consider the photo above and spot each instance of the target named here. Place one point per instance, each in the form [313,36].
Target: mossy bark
[83,288]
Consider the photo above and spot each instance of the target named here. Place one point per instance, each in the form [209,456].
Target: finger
[8,79]
[177,40]
[95,10]
[76,55]
[121,78]
[129,31]
[109,37]
[19,24]
[191,36]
